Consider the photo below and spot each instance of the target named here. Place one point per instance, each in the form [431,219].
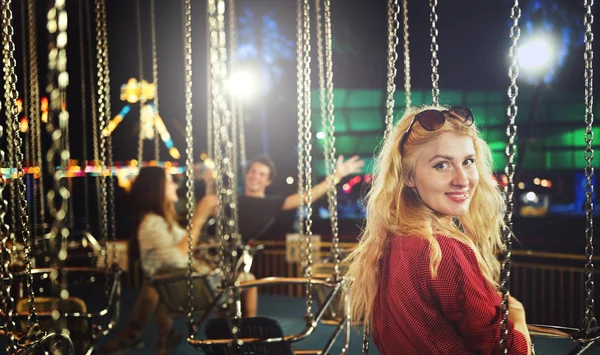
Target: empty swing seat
[334,314]
[253,328]
[172,288]
[78,327]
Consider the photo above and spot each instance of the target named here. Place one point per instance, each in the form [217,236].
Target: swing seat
[79,329]
[172,288]
[251,328]
[88,314]
[334,313]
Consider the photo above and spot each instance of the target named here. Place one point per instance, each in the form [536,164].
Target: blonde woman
[425,271]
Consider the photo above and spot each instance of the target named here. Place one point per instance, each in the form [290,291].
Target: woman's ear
[410,182]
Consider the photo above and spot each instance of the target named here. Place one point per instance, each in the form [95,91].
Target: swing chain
[307,159]
[35,132]
[435,77]
[589,320]
[12,115]
[300,109]
[406,54]
[332,191]
[393,8]
[511,132]
[140,54]
[58,156]
[365,340]
[34,116]
[155,78]
[102,66]
[189,159]
[6,279]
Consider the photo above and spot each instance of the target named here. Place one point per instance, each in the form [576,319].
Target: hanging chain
[406,54]
[332,191]
[58,119]
[35,122]
[189,159]
[300,108]
[138,17]
[233,100]
[6,278]
[101,57]
[10,130]
[12,115]
[155,79]
[392,57]
[210,132]
[26,110]
[365,341]
[435,77]
[242,136]
[307,159]
[34,105]
[511,132]
[84,117]
[112,218]
[589,321]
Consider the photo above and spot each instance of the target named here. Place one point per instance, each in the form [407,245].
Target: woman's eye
[440,166]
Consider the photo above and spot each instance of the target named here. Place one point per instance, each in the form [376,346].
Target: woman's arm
[472,305]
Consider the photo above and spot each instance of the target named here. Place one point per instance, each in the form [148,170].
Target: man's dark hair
[265,160]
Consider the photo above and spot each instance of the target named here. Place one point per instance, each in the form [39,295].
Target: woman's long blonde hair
[394,209]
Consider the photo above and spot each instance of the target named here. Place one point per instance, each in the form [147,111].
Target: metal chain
[365,341]
[406,54]
[589,319]
[307,159]
[28,137]
[511,132]
[300,108]
[10,130]
[233,100]
[435,77]
[84,116]
[34,105]
[155,78]
[392,56]
[332,191]
[6,278]
[58,119]
[34,119]
[189,160]
[96,132]
[110,204]
[11,95]
[322,94]
[242,137]
[210,145]
[101,48]
[138,17]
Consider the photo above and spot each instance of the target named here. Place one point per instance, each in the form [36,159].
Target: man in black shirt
[256,211]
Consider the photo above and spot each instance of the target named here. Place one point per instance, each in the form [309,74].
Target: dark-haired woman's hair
[147,195]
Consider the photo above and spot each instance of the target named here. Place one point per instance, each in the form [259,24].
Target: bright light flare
[535,54]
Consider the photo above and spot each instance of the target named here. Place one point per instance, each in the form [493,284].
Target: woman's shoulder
[153,220]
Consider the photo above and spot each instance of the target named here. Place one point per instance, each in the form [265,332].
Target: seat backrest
[258,327]
[174,293]
[79,329]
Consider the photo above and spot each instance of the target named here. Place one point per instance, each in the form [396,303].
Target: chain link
[589,320]
[392,57]
[58,119]
[138,18]
[155,78]
[406,54]
[10,128]
[12,114]
[234,104]
[84,115]
[300,108]
[307,159]
[511,132]
[6,278]
[435,77]
[332,191]
[189,161]
[35,121]
[101,58]
[365,341]
[34,104]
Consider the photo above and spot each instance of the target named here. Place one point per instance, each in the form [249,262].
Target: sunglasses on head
[432,120]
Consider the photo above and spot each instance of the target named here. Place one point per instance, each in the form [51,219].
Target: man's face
[258,178]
